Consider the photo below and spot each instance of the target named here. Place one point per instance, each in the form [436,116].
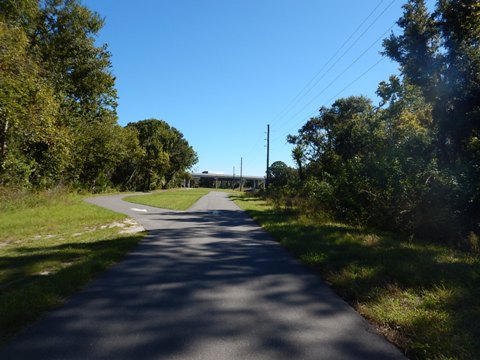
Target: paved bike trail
[207,283]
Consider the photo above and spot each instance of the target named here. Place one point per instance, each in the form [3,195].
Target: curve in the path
[207,283]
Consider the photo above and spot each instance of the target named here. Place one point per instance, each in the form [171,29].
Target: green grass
[175,199]
[424,298]
[51,245]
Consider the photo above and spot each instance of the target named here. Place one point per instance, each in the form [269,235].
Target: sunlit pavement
[207,283]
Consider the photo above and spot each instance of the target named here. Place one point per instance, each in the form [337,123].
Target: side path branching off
[51,245]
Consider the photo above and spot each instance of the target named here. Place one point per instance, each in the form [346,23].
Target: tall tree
[281,175]
[61,70]
[34,147]
[416,49]
[78,68]
[166,153]
[459,107]
[445,47]
[440,53]
[182,156]
[21,13]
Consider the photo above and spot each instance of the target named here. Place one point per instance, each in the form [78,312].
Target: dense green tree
[80,73]
[416,49]
[57,105]
[181,157]
[58,122]
[127,173]
[61,36]
[166,154]
[283,184]
[102,149]
[440,54]
[34,146]
[404,159]
[332,147]
[412,163]
[281,175]
[21,13]
[367,165]
[337,134]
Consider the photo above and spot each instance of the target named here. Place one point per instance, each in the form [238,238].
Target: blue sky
[221,70]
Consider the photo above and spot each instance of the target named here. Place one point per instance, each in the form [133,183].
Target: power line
[356,79]
[293,102]
[339,75]
[310,88]
[336,95]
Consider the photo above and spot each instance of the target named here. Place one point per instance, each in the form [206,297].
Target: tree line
[412,162]
[58,121]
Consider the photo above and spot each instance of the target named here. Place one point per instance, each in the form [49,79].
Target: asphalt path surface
[207,283]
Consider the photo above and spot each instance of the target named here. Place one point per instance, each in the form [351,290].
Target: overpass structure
[226,181]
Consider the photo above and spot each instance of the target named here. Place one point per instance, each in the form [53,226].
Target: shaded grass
[423,297]
[49,249]
[174,199]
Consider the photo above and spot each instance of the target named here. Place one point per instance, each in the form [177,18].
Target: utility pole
[233,182]
[267,182]
[241,174]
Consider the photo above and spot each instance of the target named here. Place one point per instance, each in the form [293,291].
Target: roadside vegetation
[58,120]
[411,163]
[423,297]
[51,244]
[408,166]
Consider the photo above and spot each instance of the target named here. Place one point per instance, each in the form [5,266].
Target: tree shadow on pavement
[204,285]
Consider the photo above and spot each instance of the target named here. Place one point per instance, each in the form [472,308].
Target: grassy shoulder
[51,245]
[424,298]
[174,199]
